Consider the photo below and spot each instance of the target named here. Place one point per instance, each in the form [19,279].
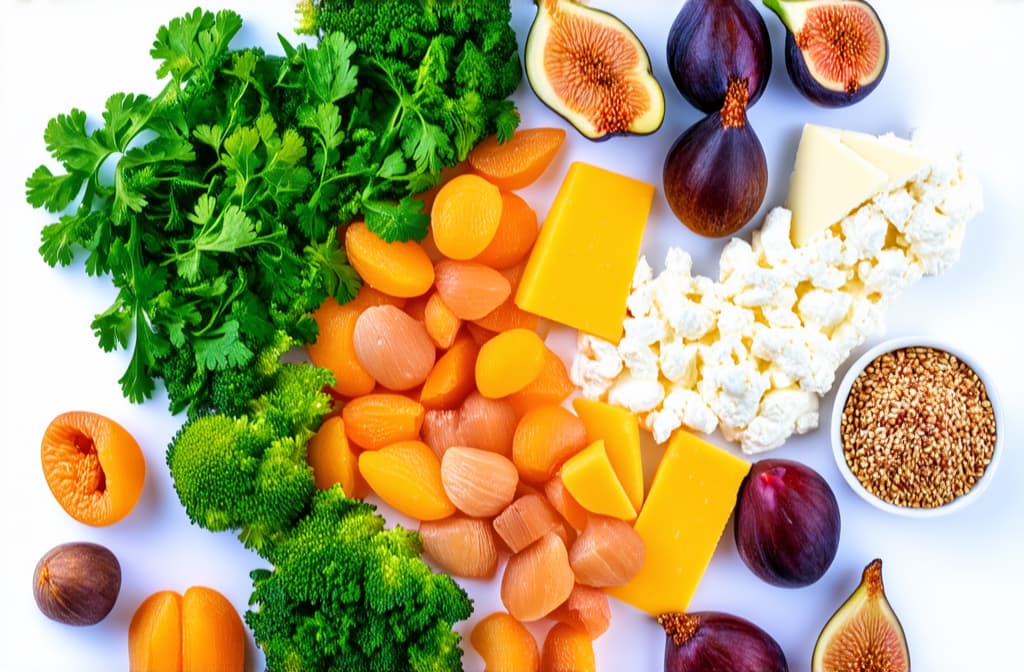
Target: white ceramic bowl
[843,391]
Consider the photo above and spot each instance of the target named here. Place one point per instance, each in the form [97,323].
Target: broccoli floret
[347,594]
[249,472]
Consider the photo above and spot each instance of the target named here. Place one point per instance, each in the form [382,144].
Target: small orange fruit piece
[469,289]
[509,362]
[407,476]
[452,378]
[487,424]
[393,348]
[567,649]
[524,521]
[461,546]
[537,579]
[517,231]
[441,322]
[332,457]
[465,216]
[478,482]
[505,644]
[545,438]
[334,349]
[93,466]
[552,385]
[586,609]
[375,420]
[520,160]
[400,269]
[609,552]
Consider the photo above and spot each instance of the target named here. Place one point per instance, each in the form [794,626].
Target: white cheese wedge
[895,156]
[829,181]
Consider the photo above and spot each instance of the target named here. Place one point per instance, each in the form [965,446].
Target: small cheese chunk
[591,480]
[893,155]
[620,431]
[829,181]
[580,271]
[690,501]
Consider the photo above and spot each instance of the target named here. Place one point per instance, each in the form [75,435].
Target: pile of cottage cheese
[752,353]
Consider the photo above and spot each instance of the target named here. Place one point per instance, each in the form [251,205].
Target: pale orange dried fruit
[478,482]
[393,348]
[464,547]
[375,420]
[407,476]
[586,609]
[537,579]
[608,552]
[545,438]
[442,430]
[525,520]
[488,424]
[505,644]
[469,289]
[567,649]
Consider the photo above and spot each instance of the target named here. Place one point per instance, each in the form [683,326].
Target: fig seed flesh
[77,583]
[864,633]
[836,50]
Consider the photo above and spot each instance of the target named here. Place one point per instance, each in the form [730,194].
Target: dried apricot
[520,160]
[469,289]
[407,476]
[509,362]
[334,349]
[505,644]
[545,438]
[461,546]
[452,378]
[375,420]
[331,456]
[517,231]
[537,579]
[465,216]
[400,269]
[567,649]
[94,467]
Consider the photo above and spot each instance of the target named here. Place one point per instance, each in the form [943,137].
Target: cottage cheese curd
[751,353]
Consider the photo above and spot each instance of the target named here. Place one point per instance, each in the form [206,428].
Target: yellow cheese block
[690,501]
[619,429]
[580,269]
[829,181]
[590,479]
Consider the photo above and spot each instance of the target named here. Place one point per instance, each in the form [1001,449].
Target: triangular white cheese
[829,181]
[893,155]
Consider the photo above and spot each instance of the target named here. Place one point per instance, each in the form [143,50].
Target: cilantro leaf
[404,220]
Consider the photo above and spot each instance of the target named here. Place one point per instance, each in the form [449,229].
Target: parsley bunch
[214,205]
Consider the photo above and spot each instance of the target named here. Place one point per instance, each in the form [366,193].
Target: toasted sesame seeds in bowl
[916,427]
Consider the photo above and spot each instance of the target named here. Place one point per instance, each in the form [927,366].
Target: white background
[955,581]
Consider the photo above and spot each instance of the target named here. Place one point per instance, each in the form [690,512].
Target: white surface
[954,581]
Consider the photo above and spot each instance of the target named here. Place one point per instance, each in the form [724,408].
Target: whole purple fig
[713,640]
[787,523]
[714,42]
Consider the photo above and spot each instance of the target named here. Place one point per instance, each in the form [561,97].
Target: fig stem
[872,579]
[678,626]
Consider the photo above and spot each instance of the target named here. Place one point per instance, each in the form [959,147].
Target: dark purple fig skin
[721,642]
[715,177]
[711,41]
[787,523]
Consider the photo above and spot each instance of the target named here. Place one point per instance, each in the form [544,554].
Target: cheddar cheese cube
[620,431]
[580,269]
[690,501]
[590,479]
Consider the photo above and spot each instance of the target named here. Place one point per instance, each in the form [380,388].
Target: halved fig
[836,50]
[864,633]
[590,68]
